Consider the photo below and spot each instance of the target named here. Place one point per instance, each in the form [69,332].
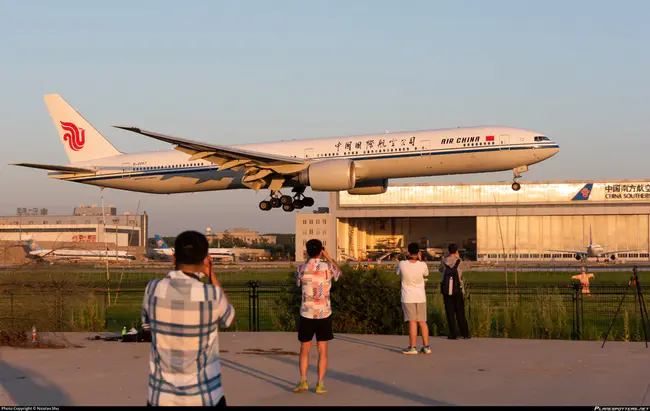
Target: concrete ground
[262,368]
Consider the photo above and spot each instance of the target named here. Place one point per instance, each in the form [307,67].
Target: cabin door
[425,147]
[504,142]
[127,169]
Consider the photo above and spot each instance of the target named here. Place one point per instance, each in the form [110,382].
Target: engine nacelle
[578,257]
[613,257]
[329,175]
[370,187]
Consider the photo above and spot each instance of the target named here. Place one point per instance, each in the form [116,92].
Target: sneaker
[410,350]
[320,389]
[302,386]
[425,350]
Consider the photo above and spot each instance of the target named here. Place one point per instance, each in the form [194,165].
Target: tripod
[634,280]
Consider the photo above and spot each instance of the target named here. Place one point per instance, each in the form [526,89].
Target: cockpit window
[542,138]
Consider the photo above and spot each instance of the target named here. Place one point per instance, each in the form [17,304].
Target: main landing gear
[287,203]
[517,175]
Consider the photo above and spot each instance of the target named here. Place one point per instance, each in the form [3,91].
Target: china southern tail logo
[584,193]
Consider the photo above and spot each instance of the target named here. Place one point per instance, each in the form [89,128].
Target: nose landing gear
[517,175]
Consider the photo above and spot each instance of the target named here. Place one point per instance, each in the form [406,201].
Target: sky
[258,71]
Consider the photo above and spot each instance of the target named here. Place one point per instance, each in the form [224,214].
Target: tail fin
[80,139]
[32,245]
[584,193]
[160,243]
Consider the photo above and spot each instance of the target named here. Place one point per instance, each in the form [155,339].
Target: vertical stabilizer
[82,142]
[32,245]
[160,243]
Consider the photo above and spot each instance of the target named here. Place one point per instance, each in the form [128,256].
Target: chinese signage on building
[627,191]
[31,211]
[84,239]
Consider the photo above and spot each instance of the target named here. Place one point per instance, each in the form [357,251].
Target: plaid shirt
[184,315]
[315,277]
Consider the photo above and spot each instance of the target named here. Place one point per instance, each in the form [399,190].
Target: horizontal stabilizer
[65,169]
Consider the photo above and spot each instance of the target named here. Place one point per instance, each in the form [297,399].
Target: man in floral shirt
[315,277]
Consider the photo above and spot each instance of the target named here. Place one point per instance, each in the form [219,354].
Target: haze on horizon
[256,71]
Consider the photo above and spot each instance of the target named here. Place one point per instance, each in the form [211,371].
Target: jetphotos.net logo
[584,193]
[73,136]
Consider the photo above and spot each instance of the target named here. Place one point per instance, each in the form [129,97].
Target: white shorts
[415,311]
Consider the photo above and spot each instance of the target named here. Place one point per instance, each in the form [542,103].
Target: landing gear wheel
[265,205]
[286,200]
[275,202]
[308,201]
[288,207]
[516,186]
[298,204]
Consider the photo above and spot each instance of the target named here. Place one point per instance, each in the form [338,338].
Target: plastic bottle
[33,334]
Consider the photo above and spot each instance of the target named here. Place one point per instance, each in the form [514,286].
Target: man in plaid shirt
[184,316]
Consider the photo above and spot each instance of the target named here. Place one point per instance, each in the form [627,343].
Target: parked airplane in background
[593,251]
[361,165]
[35,251]
[215,253]
[399,251]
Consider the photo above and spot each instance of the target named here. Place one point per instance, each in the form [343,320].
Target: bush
[363,301]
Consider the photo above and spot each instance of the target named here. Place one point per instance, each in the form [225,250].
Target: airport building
[93,226]
[544,221]
[316,225]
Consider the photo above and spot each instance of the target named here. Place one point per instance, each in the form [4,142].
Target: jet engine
[329,175]
[578,257]
[370,187]
[612,257]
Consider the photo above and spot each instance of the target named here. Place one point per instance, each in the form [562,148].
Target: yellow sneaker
[320,389]
[302,386]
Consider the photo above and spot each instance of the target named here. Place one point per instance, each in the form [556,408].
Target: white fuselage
[213,252]
[595,250]
[82,254]
[376,157]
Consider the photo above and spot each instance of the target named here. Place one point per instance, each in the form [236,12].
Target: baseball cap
[190,247]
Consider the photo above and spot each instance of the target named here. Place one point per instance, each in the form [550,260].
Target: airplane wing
[618,251]
[258,165]
[567,251]
[65,169]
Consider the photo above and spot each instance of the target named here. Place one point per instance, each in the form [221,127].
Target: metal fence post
[13,317]
[253,306]
[469,303]
[577,312]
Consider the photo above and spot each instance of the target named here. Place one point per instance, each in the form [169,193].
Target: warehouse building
[93,226]
[544,221]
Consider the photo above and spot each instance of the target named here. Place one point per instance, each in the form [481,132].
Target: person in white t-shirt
[414,298]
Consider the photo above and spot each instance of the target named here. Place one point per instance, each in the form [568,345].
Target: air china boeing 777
[360,164]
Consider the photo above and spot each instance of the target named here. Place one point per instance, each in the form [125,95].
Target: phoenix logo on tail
[75,139]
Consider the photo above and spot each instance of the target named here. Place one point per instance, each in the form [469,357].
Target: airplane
[358,164]
[219,253]
[36,252]
[400,252]
[593,251]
